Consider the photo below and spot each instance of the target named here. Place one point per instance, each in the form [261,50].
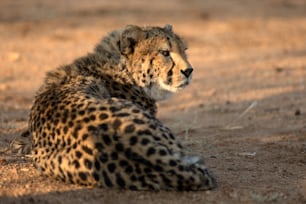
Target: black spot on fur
[86,119]
[180,145]
[69,176]
[135,110]
[99,146]
[138,121]
[88,163]
[65,130]
[57,115]
[103,127]
[78,154]
[102,108]
[123,96]
[145,141]
[95,176]
[181,168]
[172,163]
[159,168]
[133,188]
[59,159]
[73,116]
[103,116]
[111,167]
[165,136]
[82,112]
[97,165]
[133,178]
[70,123]
[65,116]
[128,169]
[119,147]
[107,180]
[147,170]
[76,164]
[162,152]
[117,123]
[122,115]
[75,134]
[69,141]
[166,180]
[85,136]
[123,163]
[119,180]
[133,140]
[114,155]
[151,151]
[116,137]
[156,138]
[103,158]
[68,150]
[92,117]
[92,109]
[55,122]
[171,136]
[92,128]
[106,139]
[87,150]
[114,109]
[129,129]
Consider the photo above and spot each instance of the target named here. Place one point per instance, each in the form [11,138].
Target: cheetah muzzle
[93,121]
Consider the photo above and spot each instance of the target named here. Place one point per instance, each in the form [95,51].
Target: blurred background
[40,35]
[245,110]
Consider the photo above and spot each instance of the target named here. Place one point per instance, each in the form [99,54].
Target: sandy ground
[245,111]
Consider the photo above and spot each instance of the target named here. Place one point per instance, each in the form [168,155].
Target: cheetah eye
[165,53]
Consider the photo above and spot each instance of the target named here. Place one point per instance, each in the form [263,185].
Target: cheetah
[93,122]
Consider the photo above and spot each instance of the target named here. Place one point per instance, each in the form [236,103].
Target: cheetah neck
[157,93]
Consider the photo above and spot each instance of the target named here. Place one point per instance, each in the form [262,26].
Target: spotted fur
[93,121]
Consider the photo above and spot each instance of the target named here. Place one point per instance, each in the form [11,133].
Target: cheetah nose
[187,72]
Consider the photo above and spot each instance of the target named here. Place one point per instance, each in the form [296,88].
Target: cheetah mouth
[183,85]
[162,86]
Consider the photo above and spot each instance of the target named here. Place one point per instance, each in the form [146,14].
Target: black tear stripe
[170,73]
[169,77]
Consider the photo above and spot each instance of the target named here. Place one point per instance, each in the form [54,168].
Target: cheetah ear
[130,36]
[168,27]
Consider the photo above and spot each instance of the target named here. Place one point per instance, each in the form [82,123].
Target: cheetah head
[156,59]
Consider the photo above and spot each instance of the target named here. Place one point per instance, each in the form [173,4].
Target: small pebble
[297,112]
[279,69]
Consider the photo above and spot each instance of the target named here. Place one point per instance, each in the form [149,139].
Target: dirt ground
[245,111]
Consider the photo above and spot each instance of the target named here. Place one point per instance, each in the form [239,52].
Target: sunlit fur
[146,62]
[93,122]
